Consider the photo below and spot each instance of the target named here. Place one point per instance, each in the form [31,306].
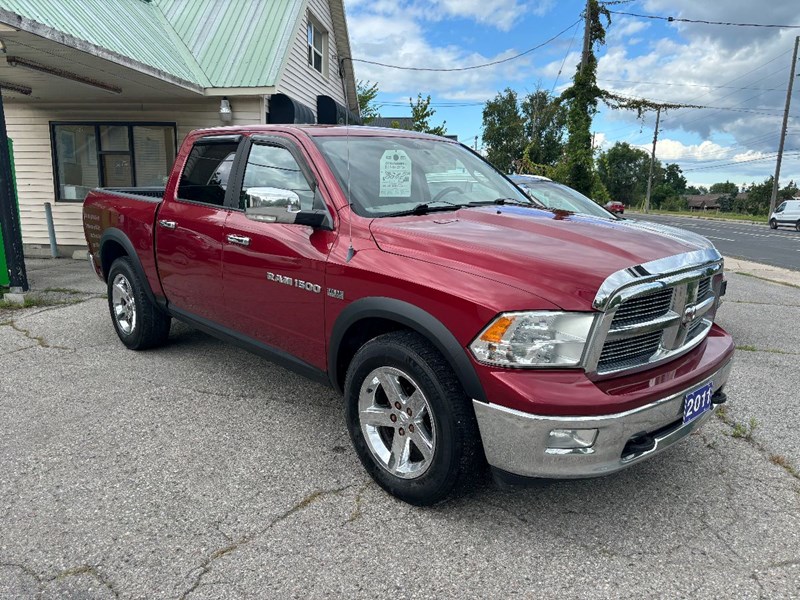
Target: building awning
[285,110]
[330,112]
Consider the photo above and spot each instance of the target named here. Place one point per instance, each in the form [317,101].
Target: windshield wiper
[424,208]
[502,202]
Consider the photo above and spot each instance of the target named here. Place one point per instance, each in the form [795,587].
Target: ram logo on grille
[689,314]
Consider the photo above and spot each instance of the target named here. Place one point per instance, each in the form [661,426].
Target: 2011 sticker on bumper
[698,402]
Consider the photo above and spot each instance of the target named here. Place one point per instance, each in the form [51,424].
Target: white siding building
[101,92]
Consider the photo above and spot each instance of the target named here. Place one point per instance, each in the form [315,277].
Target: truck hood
[562,257]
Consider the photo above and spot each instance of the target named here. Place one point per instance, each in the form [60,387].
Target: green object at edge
[4,281]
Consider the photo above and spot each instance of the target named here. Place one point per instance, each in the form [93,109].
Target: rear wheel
[138,322]
[773,224]
[797,226]
[410,421]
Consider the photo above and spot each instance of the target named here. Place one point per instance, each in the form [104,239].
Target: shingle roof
[211,43]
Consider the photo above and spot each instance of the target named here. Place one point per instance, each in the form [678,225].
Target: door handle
[239,240]
[167,224]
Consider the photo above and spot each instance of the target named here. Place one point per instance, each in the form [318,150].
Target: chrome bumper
[517,442]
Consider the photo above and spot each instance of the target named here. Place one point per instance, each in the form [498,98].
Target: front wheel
[410,421]
[797,226]
[773,224]
[138,322]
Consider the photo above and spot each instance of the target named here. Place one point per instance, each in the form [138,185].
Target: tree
[421,113]
[367,92]
[581,99]
[697,190]
[503,130]
[673,177]
[544,124]
[623,170]
[725,188]
[756,200]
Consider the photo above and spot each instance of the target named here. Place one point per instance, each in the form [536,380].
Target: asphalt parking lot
[201,471]
[750,241]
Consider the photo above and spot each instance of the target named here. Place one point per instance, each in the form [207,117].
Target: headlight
[534,339]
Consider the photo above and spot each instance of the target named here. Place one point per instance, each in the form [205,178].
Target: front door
[274,274]
[190,231]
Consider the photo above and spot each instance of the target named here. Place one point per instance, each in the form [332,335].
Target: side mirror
[276,205]
[272,205]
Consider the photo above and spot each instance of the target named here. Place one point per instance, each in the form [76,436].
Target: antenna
[351,252]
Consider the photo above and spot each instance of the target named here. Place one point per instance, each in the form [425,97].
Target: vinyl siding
[300,81]
[29,126]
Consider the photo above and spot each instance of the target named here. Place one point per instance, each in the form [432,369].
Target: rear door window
[208,168]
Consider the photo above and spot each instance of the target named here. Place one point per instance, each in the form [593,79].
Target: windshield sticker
[395,174]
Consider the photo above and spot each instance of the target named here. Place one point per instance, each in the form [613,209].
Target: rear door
[190,230]
[274,274]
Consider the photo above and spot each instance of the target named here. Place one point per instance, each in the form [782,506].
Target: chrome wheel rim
[123,304]
[397,422]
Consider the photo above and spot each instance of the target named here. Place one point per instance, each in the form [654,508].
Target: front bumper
[517,442]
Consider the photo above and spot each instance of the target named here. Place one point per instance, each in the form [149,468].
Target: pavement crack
[205,567]
[356,514]
[28,571]
[40,341]
[86,570]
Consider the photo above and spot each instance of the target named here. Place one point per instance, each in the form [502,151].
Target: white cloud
[400,40]
[707,65]
[673,150]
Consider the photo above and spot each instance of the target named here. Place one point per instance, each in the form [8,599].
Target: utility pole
[475,147]
[586,36]
[652,162]
[774,200]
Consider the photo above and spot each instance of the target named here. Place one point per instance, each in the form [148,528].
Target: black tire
[457,454]
[141,325]
[797,226]
[773,224]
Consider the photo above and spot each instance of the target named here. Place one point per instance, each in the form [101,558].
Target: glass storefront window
[89,155]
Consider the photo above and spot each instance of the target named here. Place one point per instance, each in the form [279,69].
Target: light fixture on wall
[225,112]
[15,61]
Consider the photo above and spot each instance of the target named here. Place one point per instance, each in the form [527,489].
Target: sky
[740,73]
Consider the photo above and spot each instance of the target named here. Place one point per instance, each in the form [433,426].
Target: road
[757,243]
[198,470]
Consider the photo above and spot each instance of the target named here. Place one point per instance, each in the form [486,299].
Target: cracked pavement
[201,471]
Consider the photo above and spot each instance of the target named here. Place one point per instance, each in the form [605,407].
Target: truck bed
[131,212]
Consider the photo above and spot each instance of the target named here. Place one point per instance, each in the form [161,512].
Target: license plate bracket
[697,402]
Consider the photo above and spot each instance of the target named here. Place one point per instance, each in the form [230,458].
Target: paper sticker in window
[395,174]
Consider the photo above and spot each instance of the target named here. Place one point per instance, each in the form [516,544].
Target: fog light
[569,439]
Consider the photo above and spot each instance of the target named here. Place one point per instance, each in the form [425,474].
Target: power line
[701,85]
[746,73]
[455,69]
[739,162]
[563,62]
[701,21]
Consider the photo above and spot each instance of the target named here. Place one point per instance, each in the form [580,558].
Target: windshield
[560,197]
[390,175]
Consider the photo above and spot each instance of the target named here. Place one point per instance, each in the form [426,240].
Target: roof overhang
[59,67]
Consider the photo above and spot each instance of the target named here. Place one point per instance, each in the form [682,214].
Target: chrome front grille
[704,288]
[635,350]
[644,308]
[653,316]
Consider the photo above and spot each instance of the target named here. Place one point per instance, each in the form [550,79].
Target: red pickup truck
[462,322]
